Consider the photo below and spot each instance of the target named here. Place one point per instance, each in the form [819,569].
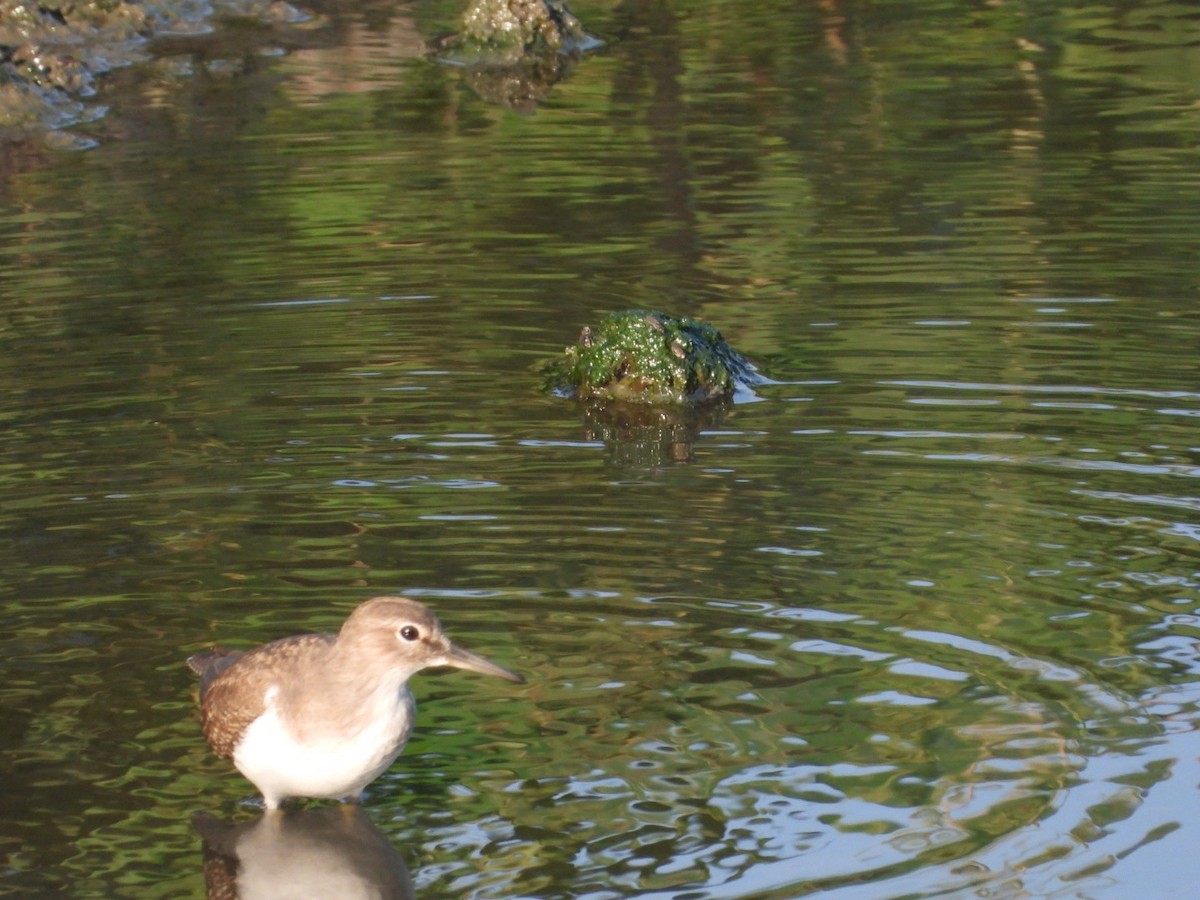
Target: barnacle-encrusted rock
[499,31]
[651,358]
[515,51]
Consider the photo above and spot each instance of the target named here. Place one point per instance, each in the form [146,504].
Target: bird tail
[211,663]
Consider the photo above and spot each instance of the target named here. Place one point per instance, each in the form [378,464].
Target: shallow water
[918,618]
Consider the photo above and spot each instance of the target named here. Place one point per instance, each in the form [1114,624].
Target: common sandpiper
[323,715]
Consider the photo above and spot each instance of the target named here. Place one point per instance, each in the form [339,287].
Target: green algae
[641,356]
[509,31]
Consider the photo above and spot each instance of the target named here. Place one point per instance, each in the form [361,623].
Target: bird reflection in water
[330,852]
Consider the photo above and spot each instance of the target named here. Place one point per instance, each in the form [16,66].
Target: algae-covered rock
[650,358]
[495,31]
[515,51]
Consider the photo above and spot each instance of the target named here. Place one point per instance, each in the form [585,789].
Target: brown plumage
[229,705]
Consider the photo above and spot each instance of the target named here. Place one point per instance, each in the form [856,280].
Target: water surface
[919,618]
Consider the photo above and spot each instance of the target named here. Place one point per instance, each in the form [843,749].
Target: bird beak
[464,659]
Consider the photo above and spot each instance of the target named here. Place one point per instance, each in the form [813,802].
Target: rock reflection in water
[650,436]
[330,852]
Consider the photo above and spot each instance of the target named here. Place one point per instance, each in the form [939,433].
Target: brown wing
[235,693]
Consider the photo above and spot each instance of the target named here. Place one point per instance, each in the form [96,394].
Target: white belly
[281,766]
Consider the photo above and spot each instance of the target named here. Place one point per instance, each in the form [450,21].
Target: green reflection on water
[269,350]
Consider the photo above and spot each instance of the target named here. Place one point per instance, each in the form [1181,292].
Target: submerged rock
[498,31]
[515,51]
[646,357]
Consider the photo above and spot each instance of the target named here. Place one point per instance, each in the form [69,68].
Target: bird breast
[286,753]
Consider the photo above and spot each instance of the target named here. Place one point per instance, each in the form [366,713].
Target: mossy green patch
[505,32]
[649,357]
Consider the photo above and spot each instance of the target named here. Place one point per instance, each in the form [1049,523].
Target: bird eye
[409,633]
